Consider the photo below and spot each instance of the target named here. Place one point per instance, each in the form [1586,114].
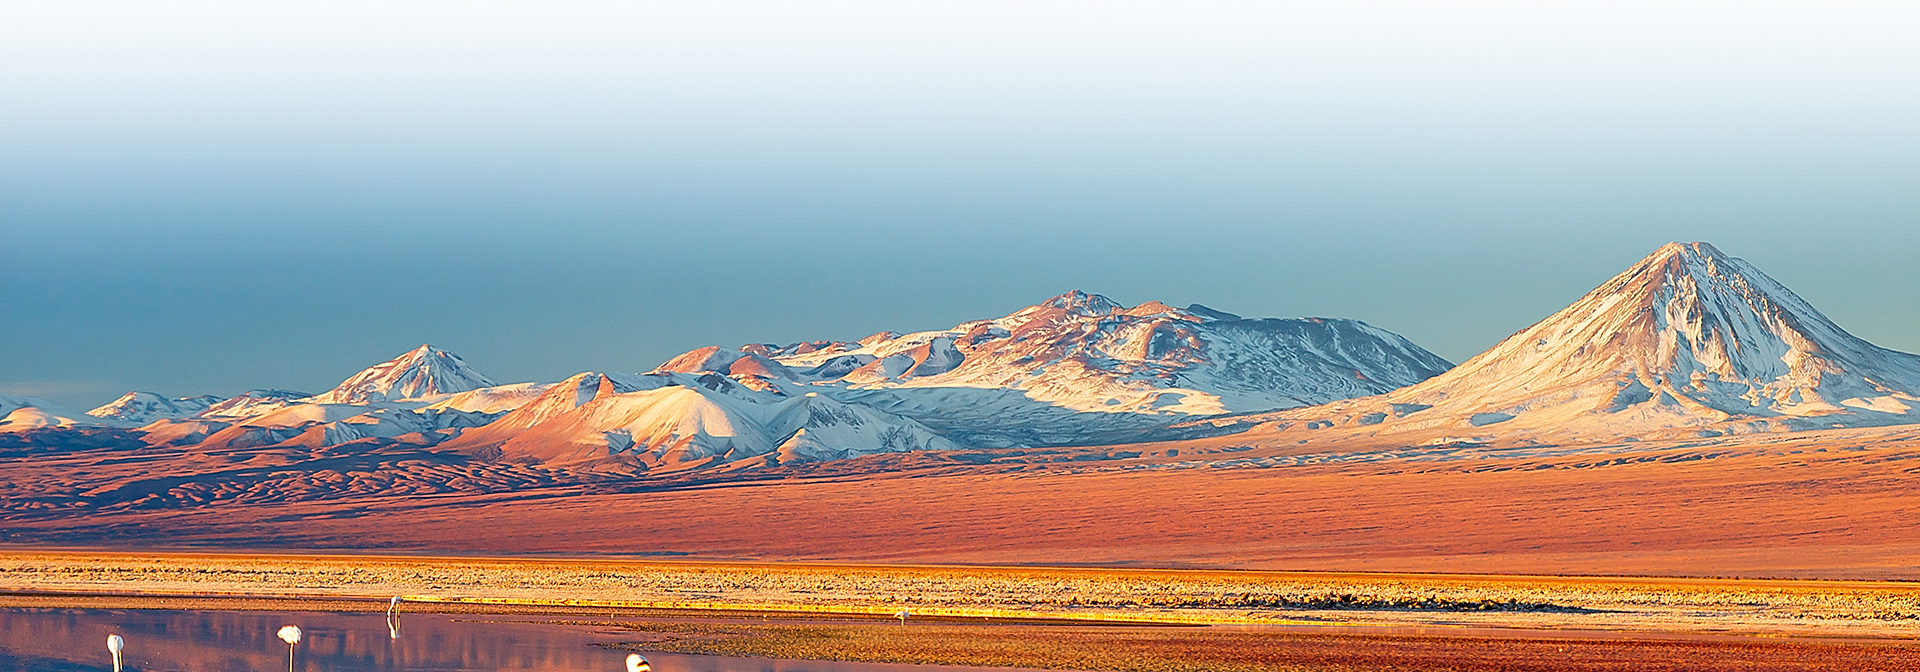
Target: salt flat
[1782,607]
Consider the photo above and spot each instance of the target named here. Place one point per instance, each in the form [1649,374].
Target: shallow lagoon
[63,640]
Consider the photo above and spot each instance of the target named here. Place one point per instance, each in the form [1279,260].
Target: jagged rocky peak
[1082,303]
[423,372]
[144,407]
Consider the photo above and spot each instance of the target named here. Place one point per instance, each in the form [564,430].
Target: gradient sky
[201,198]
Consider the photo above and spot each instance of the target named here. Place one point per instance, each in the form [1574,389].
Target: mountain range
[1686,342]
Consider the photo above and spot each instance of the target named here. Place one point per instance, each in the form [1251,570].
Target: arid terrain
[1832,504]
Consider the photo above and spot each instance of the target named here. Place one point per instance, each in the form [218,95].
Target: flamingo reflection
[393,624]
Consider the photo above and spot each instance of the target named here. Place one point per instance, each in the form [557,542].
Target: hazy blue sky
[202,197]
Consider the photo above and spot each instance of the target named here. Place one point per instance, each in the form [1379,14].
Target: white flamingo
[115,644]
[290,635]
[902,615]
[638,663]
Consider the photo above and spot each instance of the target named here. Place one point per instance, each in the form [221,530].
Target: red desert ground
[1690,418]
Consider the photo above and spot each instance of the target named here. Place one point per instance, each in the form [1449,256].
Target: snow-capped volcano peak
[424,371]
[1686,338]
[1707,326]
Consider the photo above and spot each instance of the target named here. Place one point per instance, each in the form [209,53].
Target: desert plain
[1234,553]
[1830,504]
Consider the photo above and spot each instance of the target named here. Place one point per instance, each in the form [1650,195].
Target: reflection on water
[72,640]
[393,620]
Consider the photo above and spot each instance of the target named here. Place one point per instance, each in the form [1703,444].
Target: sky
[202,197]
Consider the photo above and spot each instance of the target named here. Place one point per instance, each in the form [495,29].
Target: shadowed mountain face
[1687,340]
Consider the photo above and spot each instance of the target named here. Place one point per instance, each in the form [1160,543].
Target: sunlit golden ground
[1847,608]
[1121,620]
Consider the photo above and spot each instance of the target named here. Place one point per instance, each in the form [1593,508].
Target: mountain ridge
[1687,341]
[1074,369]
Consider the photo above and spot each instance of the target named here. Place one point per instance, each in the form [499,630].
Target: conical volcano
[422,372]
[1687,339]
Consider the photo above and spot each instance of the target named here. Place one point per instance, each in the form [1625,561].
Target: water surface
[64,640]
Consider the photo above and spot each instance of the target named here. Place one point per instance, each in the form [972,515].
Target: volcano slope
[1689,342]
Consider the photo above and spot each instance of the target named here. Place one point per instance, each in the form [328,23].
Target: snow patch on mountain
[1077,368]
[321,425]
[1088,353]
[21,413]
[140,408]
[253,402]
[669,421]
[423,372]
[496,399]
[1081,367]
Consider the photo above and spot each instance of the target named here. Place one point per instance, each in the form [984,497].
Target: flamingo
[902,615]
[115,644]
[393,629]
[638,663]
[291,635]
